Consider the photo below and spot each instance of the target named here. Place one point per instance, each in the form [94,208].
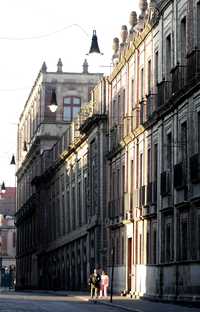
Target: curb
[115,305]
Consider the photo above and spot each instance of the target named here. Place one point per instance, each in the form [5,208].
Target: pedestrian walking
[94,282]
[104,284]
[12,277]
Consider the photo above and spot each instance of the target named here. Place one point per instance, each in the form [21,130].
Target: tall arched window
[71,107]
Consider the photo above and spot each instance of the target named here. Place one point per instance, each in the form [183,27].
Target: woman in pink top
[104,284]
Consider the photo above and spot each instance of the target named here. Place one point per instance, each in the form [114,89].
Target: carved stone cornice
[134,45]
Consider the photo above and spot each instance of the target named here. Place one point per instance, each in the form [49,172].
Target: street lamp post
[112,273]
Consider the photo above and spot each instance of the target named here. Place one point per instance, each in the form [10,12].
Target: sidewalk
[136,305]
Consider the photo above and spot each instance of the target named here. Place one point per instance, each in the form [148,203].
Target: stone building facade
[38,131]
[121,186]
[7,228]
[154,131]
[71,199]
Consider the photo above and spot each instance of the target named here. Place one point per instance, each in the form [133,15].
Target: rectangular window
[141,169]
[76,101]
[14,239]
[63,215]
[113,185]
[149,77]
[79,204]
[137,167]
[113,116]
[118,183]
[149,166]
[119,109]
[183,41]
[184,239]
[142,83]
[124,102]
[198,25]
[123,186]
[168,57]
[198,131]
[132,93]
[183,142]
[67,114]
[131,176]
[123,179]
[67,101]
[58,225]
[198,233]
[71,107]
[75,112]
[73,208]
[169,151]
[156,68]
[85,199]
[155,162]
[131,183]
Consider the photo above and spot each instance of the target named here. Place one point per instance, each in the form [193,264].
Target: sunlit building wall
[154,147]
[38,130]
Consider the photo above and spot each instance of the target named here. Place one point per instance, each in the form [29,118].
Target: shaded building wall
[41,131]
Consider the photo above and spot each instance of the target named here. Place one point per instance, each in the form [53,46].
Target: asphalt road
[74,302]
[43,303]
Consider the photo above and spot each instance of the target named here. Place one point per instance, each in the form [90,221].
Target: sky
[34,31]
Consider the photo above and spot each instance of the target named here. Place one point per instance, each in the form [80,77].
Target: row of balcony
[27,209]
[182,78]
[146,200]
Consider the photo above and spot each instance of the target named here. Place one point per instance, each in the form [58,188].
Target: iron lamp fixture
[53,105]
[25,149]
[12,162]
[94,45]
[3,188]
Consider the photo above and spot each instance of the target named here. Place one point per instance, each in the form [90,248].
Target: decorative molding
[134,45]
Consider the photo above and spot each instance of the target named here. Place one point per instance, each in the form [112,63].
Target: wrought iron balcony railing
[193,66]
[164,93]
[151,104]
[179,81]
[143,111]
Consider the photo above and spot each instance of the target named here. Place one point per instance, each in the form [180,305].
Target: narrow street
[75,302]
[43,303]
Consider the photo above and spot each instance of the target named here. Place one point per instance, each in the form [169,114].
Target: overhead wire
[35,37]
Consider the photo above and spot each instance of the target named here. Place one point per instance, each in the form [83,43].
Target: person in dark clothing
[94,283]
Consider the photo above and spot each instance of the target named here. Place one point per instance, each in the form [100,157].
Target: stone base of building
[183,299]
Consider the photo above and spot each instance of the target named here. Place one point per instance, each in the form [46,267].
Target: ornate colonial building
[154,131]
[71,200]
[121,185]
[38,131]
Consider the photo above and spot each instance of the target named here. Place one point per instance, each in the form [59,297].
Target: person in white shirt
[104,284]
